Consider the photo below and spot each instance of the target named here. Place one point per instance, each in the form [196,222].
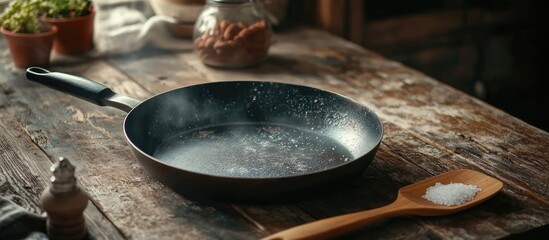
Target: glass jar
[232,33]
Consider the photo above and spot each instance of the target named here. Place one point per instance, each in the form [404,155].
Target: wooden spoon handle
[334,226]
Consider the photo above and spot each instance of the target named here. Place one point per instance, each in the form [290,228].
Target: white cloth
[122,27]
[18,223]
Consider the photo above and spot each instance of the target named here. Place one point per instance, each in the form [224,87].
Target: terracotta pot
[28,49]
[75,35]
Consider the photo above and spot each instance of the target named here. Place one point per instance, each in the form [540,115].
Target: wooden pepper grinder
[64,202]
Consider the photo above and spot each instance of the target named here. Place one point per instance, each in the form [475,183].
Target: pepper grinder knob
[64,201]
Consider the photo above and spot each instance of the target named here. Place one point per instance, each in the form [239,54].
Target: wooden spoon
[410,201]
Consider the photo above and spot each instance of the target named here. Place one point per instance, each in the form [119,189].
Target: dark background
[494,50]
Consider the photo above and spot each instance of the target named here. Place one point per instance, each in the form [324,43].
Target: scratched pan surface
[249,140]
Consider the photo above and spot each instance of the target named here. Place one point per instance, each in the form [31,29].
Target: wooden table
[430,128]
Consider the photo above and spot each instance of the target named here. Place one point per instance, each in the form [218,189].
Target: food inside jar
[234,44]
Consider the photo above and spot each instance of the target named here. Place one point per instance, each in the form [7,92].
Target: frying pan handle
[82,88]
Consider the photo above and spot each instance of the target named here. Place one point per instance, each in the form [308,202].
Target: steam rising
[251,129]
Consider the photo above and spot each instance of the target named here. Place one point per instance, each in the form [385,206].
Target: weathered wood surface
[430,128]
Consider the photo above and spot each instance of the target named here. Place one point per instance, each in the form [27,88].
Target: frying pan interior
[239,141]
[252,129]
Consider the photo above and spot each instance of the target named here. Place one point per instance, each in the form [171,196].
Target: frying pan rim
[237,82]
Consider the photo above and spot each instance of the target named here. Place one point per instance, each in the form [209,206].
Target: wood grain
[92,138]
[430,128]
[25,174]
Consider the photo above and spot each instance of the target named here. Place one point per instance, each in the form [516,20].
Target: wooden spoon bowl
[414,192]
[410,201]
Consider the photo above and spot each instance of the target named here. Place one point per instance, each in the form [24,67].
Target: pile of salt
[451,194]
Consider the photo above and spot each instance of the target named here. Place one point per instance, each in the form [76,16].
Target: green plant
[23,16]
[67,8]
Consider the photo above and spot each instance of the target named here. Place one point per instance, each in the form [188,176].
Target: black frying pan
[243,140]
